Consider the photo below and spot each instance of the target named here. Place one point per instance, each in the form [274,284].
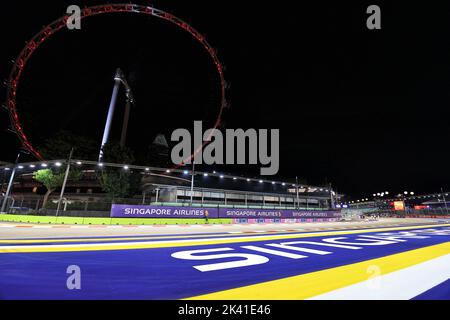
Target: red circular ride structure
[55,26]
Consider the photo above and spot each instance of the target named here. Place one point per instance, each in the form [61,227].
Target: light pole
[332,203]
[445,203]
[11,180]
[307,198]
[157,195]
[192,181]
[3,181]
[64,182]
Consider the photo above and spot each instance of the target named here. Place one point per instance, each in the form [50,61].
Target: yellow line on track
[69,240]
[316,283]
[185,243]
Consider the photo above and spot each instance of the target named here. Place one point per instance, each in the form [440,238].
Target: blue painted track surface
[155,274]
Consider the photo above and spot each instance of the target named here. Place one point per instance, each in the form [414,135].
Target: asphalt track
[386,259]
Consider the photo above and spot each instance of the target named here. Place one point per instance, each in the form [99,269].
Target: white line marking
[403,284]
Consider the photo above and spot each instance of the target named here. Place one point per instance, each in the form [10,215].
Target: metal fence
[97,205]
[414,213]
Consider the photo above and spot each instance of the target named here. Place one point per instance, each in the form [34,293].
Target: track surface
[386,259]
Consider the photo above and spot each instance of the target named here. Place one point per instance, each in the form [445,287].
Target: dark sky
[367,111]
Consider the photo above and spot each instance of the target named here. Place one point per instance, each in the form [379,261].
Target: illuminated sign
[399,206]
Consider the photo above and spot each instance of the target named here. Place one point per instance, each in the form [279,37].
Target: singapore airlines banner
[134,211]
[275,214]
[140,211]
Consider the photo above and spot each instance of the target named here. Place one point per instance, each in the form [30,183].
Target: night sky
[365,110]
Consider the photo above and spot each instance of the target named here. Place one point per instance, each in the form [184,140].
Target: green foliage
[49,179]
[117,182]
[54,179]
[59,146]
[114,153]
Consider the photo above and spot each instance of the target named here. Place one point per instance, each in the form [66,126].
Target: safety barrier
[107,221]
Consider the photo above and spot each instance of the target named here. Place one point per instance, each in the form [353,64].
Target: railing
[411,213]
[100,207]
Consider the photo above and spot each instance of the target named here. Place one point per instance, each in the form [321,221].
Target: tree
[115,183]
[59,146]
[53,180]
[115,153]
[50,180]
[118,182]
